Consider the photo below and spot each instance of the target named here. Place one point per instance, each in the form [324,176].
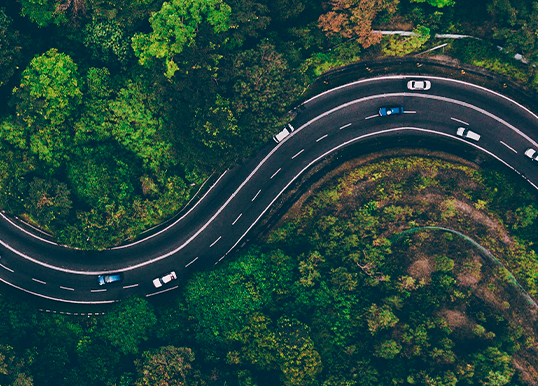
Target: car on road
[160,281]
[284,133]
[386,111]
[419,85]
[468,134]
[109,279]
[532,154]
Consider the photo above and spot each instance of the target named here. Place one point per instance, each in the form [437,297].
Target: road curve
[32,262]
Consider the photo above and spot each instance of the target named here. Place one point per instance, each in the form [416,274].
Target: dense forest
[113,113]
[336,295]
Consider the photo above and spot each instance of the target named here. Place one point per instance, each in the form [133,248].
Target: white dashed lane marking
[460,121]
[259,191]
[508,147]
[343,127]
[130,286]
[275,173]
[214,242]
[39,281]
[9,269]
[191,262]
[67,288]
[297,154]
[237,219]
[320,138]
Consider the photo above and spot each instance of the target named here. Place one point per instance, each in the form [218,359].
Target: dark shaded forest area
[112,113]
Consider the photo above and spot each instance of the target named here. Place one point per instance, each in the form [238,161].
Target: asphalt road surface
[205,234]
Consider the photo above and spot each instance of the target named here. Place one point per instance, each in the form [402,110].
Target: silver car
[419,85]
[532,154]
[466,133]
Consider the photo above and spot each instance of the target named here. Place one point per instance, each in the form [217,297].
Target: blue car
[386,111]
[107,279]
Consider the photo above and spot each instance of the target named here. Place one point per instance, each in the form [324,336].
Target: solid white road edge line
[28,233]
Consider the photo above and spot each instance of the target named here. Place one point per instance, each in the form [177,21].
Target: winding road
[205,234]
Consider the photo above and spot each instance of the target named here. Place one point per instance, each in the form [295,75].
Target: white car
[284,133]
[419,85]
[160,281]
[532,154]
[466,133]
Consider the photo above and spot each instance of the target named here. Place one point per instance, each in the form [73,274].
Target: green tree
[167,366]
[299,361]
[398,46]
[128,324]
[107,41]
[525,216]
[436,3]
[260,347]
[10,48]
[96,359]
[101,176]
[443,263]
[138,128]
[128,14]
[247,19]
[221,301]
[287,9]
[492,367]
[43,12]
[48,201]
[175,26]
[48,95]
[387,349]
[264,86]
[50,87]
[13,370]
[379,318]
[518,22]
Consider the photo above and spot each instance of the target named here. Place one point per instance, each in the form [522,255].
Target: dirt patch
[496,229]
[421,268]
[457,319]
[469,273]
